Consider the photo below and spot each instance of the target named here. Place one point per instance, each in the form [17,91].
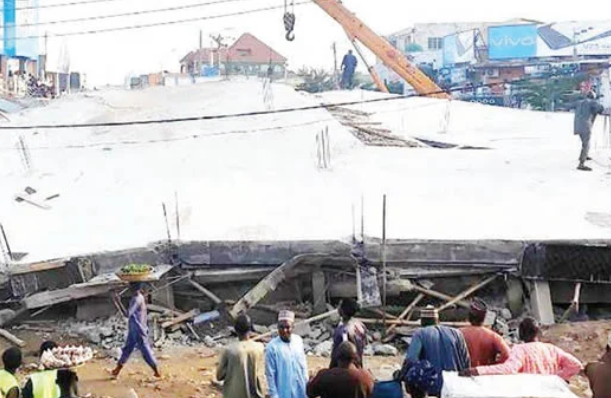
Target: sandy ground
[189,372]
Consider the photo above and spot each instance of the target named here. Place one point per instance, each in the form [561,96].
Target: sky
[107,58]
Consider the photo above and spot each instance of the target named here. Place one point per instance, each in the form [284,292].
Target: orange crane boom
[392,58]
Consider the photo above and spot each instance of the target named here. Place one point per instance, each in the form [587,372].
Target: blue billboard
[512,42]
[20,30]
[9,18]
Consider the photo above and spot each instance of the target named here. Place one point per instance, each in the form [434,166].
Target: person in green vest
[42,384]
[9,386]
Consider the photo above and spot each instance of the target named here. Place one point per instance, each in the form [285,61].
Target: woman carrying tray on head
[137,336]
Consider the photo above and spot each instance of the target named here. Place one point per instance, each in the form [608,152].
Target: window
[435,43]
[244,52]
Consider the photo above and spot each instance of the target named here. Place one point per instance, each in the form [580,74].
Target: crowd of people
[471,351]
[58,383]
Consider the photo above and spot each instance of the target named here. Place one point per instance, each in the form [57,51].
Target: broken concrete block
[385,350]
[324,337]
[6,315]
[260,329]
[209,342]
[324,349]
[506,314]
[368,351]
[302,330]
[106,332]
[315,333]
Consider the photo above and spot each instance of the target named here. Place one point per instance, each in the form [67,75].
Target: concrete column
[319,292]
[541,303]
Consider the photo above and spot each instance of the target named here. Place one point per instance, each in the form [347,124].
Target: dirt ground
[189,372]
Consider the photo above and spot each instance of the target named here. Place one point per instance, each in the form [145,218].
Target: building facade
[247,56]
[488,57]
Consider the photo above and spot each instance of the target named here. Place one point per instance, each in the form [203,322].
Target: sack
[388,389]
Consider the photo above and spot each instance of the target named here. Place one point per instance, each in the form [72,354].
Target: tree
[315,80]
[551,94]
[413,48]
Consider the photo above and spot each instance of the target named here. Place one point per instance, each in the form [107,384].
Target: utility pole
[201,47]
[335,74]
[44,66]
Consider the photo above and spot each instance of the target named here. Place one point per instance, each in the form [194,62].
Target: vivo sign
[507,42]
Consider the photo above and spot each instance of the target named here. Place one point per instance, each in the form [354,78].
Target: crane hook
[289,25]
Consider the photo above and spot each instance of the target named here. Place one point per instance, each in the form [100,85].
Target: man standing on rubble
[585,115]
[239,364]
[532,357]
[599,374]
[137,335]
[349,64]
[42,384]
[286,367]
[351,330]
[434,348]
[485,346]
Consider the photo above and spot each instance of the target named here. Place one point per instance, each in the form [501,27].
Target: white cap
[286,316]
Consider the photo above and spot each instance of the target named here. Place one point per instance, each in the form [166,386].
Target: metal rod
[8,246]
[177,215]
[384,257]
[167,225]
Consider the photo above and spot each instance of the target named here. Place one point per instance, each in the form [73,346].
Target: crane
[392,58]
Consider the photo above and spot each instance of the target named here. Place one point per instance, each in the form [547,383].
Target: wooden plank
[468,292]
[271,282]
[407,311]
[75,292]
[13,339]
[31,199]
[36,267]
[440,296]
[163,310]
[240,274]
[409,323]
[206,292]
[183,318]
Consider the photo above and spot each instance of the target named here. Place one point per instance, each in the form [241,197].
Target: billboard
[515,41]
[574,38]
[459,48]
[549,40]
[19,29]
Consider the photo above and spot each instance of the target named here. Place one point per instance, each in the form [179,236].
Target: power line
[150,25]
[174,139]
[258,113]
[131,13]
[58,5]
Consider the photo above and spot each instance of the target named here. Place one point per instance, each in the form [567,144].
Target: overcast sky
[109,57]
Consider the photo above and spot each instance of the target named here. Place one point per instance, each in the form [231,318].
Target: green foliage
[413,48]
[551,94]
[315,80]
[136,269]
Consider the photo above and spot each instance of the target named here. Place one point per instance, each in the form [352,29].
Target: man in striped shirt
[532,357]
